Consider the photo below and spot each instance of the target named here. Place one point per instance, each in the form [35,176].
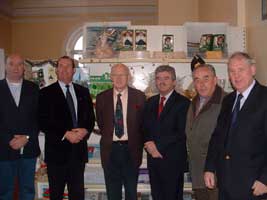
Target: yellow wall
[5,34]
[177,12]
[256,40]
[44,37]
[218,11]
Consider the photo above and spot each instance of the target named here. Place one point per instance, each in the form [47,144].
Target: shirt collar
[14,84]
[167,96]
[123,92]
[247,91]
[63,85]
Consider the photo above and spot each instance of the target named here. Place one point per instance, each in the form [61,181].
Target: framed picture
[167,43]
[140,39]
[127,40]
[264,9]
[102,40]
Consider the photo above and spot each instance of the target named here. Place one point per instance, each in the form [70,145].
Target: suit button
[227,157]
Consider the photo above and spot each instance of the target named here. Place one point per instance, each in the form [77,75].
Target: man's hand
[209,179]
[152,149]
[259,188]
[72,137]
[80,132]
[18,141]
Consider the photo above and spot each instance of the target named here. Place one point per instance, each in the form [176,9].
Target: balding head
[14,68]
[120,76]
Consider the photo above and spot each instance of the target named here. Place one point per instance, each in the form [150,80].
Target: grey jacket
[199,130]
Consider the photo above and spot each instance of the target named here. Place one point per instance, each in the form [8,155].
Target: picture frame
[127,40]
[103,39]
[140,39]
[167,43]
[263,9]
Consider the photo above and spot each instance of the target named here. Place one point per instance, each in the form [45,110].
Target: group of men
[222,137]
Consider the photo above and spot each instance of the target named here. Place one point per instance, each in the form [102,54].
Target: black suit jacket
[246,144]
[168,132]
[20,119]
[105,120]
[55,120]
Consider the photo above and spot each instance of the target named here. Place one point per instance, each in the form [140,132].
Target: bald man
[119,116]
[18,131]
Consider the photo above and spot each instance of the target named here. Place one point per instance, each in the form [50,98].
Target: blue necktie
[71,106]
[119,118]
[232,125]
[236,110]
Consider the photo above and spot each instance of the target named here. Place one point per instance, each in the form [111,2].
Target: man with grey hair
[201,121]
[237,150]
[119,115]
[165,140]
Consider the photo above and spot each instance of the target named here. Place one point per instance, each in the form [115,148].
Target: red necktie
[161,105]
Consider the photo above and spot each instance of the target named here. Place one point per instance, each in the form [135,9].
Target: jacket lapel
[9,95]
[250,101]
[168,105]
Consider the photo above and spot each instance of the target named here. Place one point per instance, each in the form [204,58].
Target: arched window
[74,44]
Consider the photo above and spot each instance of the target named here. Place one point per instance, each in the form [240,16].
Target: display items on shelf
[140,39]
[167,43]
[127,40]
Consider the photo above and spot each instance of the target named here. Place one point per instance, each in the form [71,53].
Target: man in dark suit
[237,151]
[67,119]
[119,116]
[19,131]
[165,140]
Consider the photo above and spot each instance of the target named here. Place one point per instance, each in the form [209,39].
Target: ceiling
[57,7]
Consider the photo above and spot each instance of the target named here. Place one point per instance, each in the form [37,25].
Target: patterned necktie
[119,118]
[71,106]
[236,110]
[161,105]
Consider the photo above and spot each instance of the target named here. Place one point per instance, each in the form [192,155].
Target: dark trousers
[71,174]
[205,194]
[24,170]
[166,180]
[120,171]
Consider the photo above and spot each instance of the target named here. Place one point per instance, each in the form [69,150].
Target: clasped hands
[152,149]
[258,187]
[18,141]
[75,135]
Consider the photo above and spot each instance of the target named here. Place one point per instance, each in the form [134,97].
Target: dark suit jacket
[55,120]
[105,121]
[246,144]
[19,120]
[168,132]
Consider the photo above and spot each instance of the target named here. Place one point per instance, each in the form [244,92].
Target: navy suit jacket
[168,132]
[246,144]
[55,120]
[21,119]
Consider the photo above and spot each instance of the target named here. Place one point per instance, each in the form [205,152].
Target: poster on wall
[103,40]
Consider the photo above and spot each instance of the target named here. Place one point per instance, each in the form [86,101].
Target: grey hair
[166,68]
[208,66]
[241,56]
